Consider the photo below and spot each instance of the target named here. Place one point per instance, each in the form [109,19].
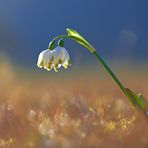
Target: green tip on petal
[55,69]
[49,67]
[69,63]
[40,65]
[56,65]
[52,58]
[65,66]
[60,61]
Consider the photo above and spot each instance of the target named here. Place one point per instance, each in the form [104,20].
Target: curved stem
[110,72]
[92,50]
[73,34]
[102,62]
[60,36]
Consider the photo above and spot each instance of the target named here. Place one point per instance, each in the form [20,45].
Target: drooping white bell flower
[49,59]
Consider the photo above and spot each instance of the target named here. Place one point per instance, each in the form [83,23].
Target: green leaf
[78,38]
[145,102]
[72,32]
[131,96]
[138,100]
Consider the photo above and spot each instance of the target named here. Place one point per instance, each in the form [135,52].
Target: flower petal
[53,59]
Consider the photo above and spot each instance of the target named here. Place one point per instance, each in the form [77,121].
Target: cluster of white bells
[54,59]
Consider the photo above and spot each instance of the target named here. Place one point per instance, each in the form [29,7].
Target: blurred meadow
[79,108]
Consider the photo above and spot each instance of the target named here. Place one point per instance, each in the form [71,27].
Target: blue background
[117,28]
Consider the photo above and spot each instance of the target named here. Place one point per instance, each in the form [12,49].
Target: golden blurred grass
[85,109]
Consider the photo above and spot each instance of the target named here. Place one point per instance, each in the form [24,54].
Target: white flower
[56,58]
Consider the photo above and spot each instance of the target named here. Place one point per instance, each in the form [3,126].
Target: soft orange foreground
[72,111]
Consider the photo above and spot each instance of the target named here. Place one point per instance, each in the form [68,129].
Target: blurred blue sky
[118,29]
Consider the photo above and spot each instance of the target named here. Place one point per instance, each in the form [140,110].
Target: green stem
[114,77]
[110,72]
[60,36]
[102,62]
[84,43]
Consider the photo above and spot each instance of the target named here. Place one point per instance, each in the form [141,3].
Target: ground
[80,110]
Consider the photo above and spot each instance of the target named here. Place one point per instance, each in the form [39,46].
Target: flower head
[49,59]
